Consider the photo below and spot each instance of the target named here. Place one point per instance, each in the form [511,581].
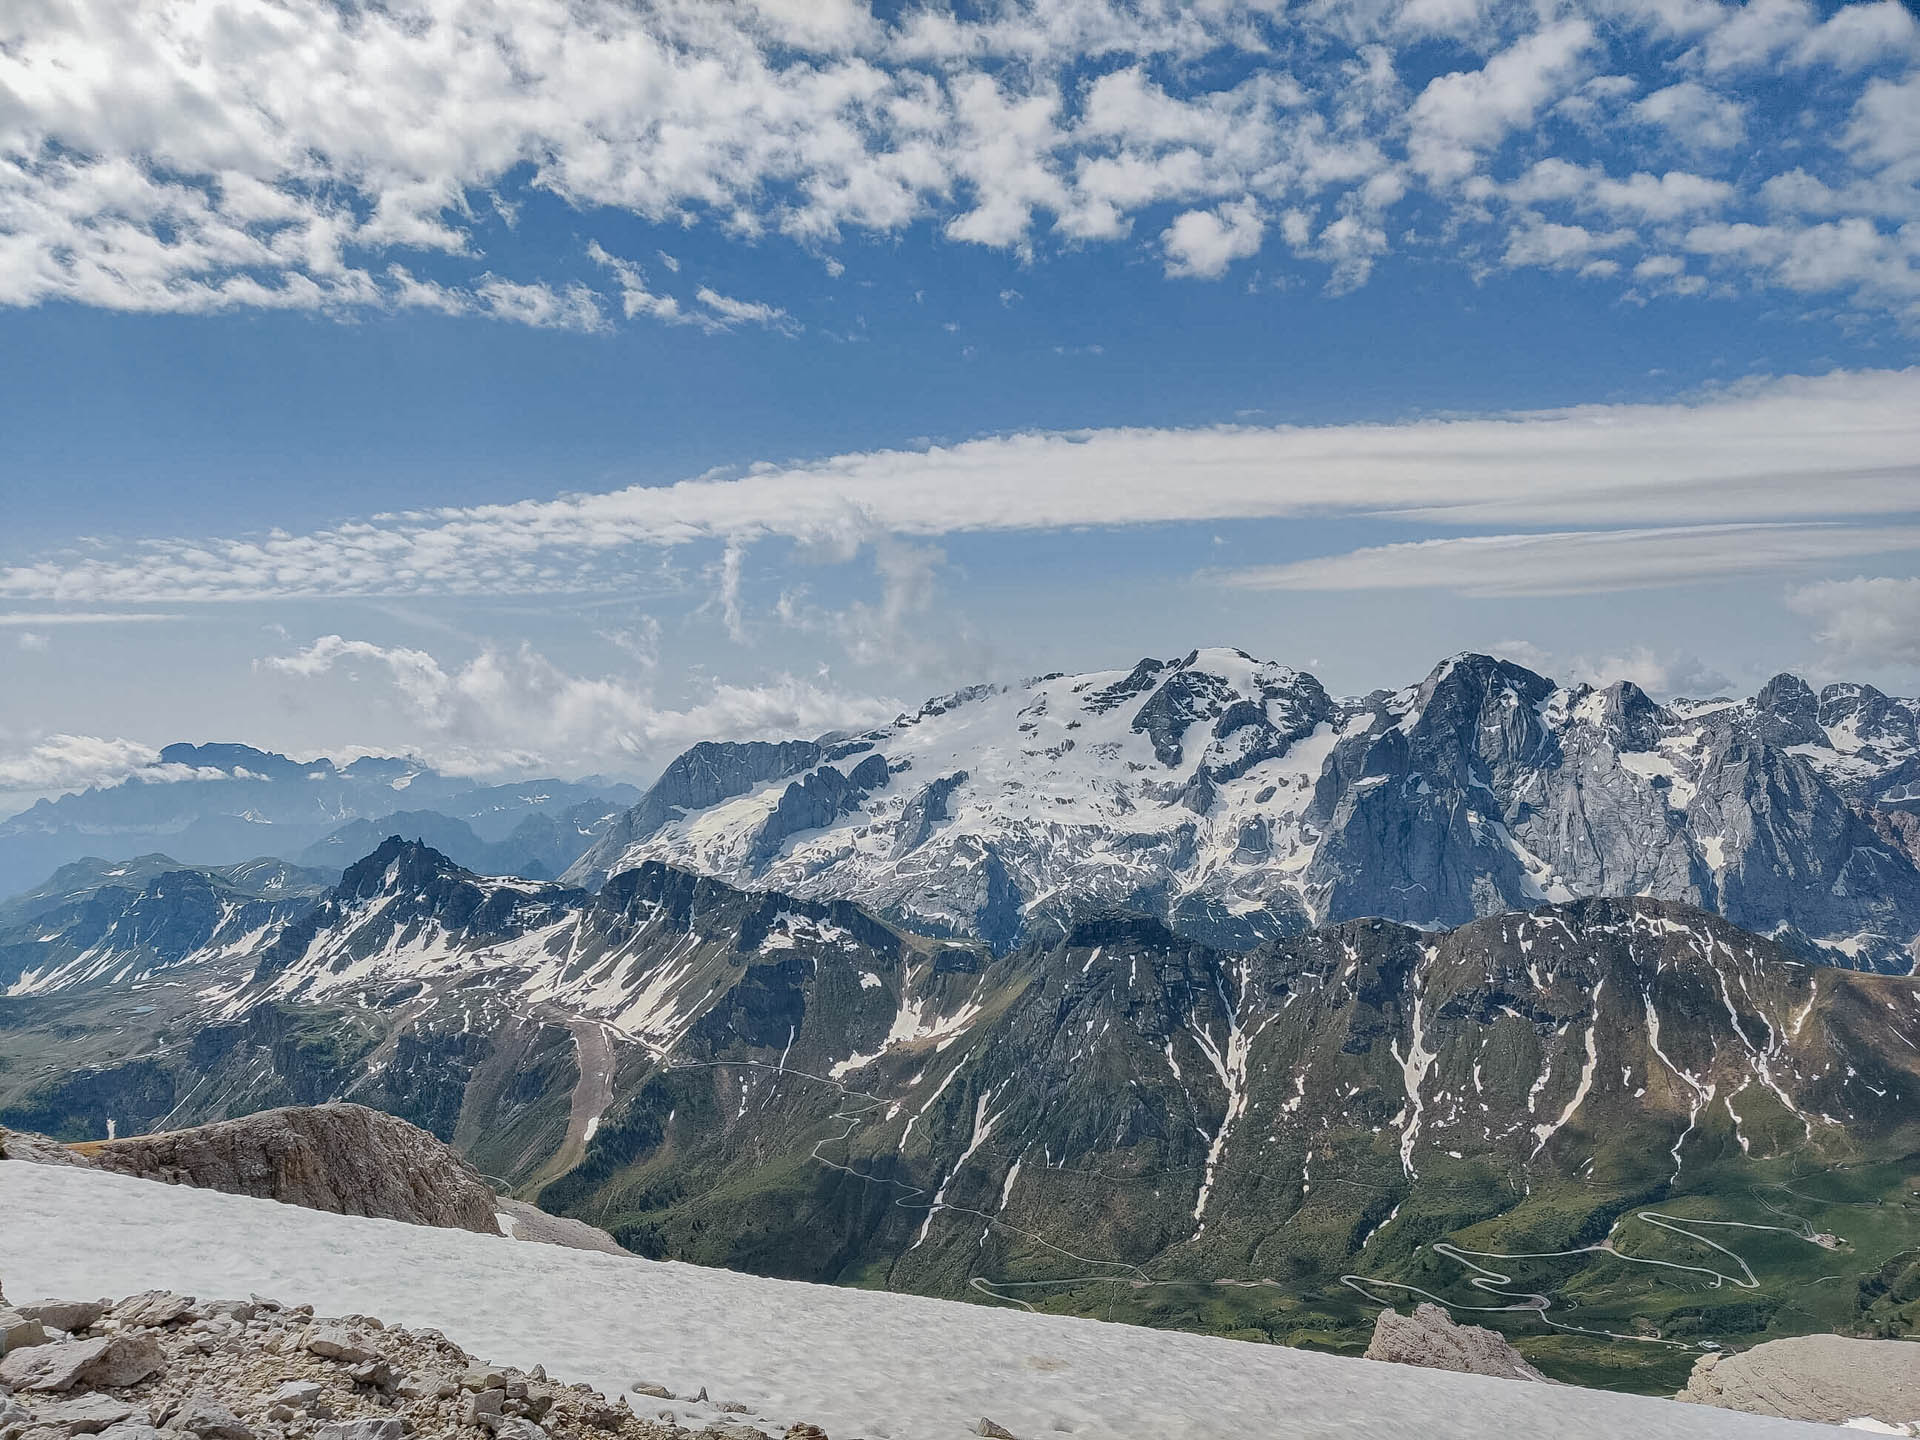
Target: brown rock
[1430,1338]
[342,1158]
[997,1432]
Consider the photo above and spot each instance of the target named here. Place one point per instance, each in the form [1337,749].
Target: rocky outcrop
[1826,1378]
[1430,1338]
[522,1221]
[37,1149]
[343,1158]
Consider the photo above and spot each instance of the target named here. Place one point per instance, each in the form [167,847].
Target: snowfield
[858,1363]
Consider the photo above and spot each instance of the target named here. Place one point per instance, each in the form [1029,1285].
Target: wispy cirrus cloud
[1580,562]
[1841,447]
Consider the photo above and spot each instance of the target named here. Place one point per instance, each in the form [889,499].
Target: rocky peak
[394,867]
[1787,712]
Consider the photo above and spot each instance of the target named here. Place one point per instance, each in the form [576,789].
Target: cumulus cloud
[216,155]
[1579,562]
[1205,242]
[1460,116]
[1695,117]
[1864,621]
[515,710]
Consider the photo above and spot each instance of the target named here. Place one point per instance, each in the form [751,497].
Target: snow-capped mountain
[1237,800]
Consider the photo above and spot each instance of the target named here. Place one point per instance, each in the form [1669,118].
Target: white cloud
[74,762]
[224,154]
[1204,242]
[514,710]
[1579,562]
[636,299]
[1561,247]
[575,308]
[1845,444]
[34,642]
[1659,675]
[1460,116]
[728,312]
[1694,117]
[1864,621]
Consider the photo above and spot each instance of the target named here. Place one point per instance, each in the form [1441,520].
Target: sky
[541,386]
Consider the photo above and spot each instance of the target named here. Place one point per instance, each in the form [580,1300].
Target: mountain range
[1237,800]
[1115,1120]
[1187,995]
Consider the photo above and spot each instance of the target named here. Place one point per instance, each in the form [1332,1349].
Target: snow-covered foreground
[855,1362]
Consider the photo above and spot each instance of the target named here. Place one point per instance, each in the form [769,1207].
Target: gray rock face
[1430,1338]
[343,1158]
[1814,1377]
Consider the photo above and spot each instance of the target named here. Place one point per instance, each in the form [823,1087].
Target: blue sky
[975,341]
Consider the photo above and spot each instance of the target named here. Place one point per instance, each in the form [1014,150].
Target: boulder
[1430,1338]
[344,1158]
[108,1362]
[1826,1378]
[67,1315]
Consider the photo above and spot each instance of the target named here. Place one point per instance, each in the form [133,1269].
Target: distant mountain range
[1237,800]
[221,804]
